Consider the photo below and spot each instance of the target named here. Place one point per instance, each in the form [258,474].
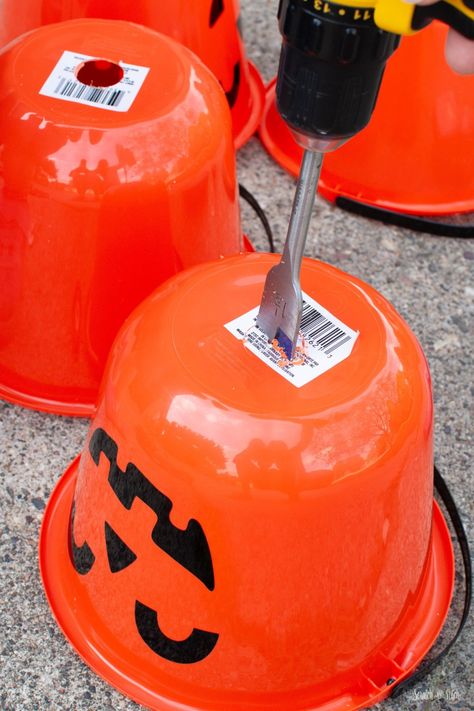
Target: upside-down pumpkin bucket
[210,28]
[415,156]
[107,189]
[228,540]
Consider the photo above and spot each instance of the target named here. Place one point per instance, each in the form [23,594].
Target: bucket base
[53,407]
[78,408]
[57,573]
[450,220]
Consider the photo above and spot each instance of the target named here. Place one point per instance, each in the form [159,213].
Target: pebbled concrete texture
[428,279]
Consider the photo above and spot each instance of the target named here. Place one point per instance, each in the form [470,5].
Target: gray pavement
[428,279]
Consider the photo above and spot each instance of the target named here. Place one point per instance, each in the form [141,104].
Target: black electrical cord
[260,212]
[452,510]
[445,226]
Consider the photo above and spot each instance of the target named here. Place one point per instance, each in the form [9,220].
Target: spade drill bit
[282,303]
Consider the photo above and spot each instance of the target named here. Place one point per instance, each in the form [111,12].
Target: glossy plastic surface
[97,208]
[239,543]
[415,156]
[210,28]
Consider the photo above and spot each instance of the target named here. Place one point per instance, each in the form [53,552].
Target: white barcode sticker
[63,84]
[324,341]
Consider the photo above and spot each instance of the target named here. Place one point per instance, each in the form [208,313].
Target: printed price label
[63,84]
[323,343]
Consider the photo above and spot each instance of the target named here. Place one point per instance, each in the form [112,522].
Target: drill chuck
[331,66]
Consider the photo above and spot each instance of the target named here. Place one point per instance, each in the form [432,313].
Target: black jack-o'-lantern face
[189,548]
[225,41]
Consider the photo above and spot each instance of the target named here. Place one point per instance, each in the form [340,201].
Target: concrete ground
[428,279]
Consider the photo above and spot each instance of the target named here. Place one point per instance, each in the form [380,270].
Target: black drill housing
[331,66]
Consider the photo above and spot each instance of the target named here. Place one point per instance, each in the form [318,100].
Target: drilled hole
[99,72]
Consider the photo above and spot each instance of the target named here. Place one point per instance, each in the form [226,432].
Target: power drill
[333,59]
[332,62]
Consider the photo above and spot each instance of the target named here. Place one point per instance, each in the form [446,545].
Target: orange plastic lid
[209,28]
[99,206]
[415,156]
[230,541]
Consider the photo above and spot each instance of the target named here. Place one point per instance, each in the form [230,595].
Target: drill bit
[282,303]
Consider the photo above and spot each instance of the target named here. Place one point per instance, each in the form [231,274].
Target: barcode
[93,94]
[323,342]
[320,332]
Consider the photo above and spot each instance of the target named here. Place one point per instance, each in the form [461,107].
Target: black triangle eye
[119,554]
[82,556]
[217,8]
[233,92]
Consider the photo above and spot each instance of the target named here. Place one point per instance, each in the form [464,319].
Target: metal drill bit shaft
[282,303]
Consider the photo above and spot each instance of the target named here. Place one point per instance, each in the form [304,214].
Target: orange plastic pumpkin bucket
[228,540]
[99,205]
[415,156]
[210,28]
